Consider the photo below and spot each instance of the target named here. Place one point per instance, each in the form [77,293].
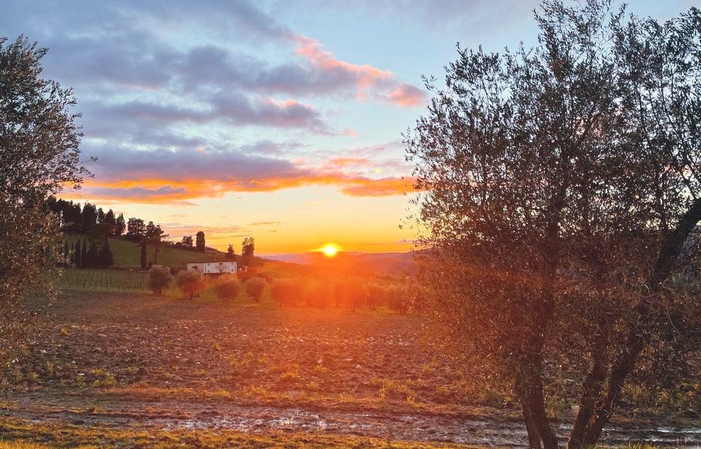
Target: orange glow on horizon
[330,249]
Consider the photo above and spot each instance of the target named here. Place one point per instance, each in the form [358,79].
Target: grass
[17,434]
[127,254]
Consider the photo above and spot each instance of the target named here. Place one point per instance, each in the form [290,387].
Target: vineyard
[105,280]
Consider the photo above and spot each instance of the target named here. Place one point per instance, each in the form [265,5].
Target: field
[130,369]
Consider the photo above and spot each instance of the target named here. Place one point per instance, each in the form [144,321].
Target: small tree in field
[227,287]
[159,277]
[319,294]
[191,282]
[255,287]
[287,291]
[377,294]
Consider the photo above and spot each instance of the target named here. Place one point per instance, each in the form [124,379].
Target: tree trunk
[635,341]
[592,388]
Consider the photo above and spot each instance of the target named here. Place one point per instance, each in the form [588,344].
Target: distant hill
[368,263]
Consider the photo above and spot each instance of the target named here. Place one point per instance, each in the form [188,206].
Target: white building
[213,267]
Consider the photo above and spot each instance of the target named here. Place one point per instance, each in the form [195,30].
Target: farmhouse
[213,267]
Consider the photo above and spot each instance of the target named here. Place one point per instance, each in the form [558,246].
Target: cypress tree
[77,254]
[84,255]
[106,256]
[143,254]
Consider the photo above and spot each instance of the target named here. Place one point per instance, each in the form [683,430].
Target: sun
[329,249]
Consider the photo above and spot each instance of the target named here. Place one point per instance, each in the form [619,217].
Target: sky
[276,119]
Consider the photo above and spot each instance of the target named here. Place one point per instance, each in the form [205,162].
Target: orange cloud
[407,95]
[365,75]
[180,191]
[348,161]
[379,187]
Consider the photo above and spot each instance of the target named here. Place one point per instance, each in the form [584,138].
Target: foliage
[191,282]
[558,190]
[227,287]
[200,241]
[39,156]
[136,229]
[159,277]
[248,247]
[142,254]
[230,254]
[351,292]
[255,287]
[319,294]
[287,291]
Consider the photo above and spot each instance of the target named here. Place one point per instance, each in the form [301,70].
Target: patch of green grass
[127,254]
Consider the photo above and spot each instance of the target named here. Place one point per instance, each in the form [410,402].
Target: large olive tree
[39,156]
[558,191]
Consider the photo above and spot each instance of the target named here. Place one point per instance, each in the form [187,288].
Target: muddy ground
[140,361]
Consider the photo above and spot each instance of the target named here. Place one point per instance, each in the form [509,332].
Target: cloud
[364,77]
[378,187]
[408,96]
[349,161]
[265,223]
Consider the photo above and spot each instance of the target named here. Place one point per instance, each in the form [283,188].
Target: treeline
[98,225]
[87,219]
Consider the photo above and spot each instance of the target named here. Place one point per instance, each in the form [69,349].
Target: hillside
[127,253]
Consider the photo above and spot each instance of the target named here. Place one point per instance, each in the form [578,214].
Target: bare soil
[129,360]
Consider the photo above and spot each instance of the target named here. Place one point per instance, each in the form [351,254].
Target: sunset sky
[280,120]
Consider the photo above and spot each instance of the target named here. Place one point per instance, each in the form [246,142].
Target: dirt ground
[138,360]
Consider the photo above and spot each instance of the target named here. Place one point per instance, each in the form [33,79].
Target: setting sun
[329,249]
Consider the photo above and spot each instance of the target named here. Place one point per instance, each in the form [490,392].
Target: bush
[397,298]
[352,293]
[377,294]
[191,282]
[255,287]
[319,294]
[227,287]
[287,291]
[159,277]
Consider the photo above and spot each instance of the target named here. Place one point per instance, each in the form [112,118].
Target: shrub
[159,277]
[351,292]
[227,287]
[377,294]
[397,298]
[255,287]
[191,282]
[319,294]
[287,291]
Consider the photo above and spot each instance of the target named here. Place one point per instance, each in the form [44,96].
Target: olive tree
[39,156]
[159,277]
[191,282]
[557,191]
[227,287]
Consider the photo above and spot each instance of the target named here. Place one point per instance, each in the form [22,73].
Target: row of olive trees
[350,293]
[192,282]
[560,188]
